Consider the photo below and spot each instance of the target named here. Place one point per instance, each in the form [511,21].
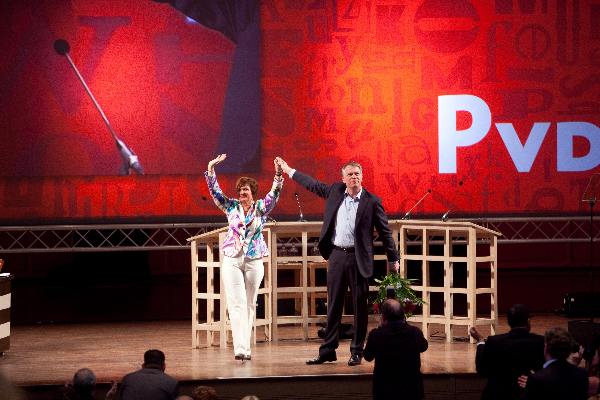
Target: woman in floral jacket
[243,249]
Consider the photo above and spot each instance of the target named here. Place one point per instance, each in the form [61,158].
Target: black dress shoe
[239,357]
[355,359]
[247,357]
[329,357]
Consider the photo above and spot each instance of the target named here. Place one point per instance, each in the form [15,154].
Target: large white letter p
[449,138]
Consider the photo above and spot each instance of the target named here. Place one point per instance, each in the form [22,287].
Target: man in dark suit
[150,382]
[559,379]
[396,347]
[505,357]
[346,242]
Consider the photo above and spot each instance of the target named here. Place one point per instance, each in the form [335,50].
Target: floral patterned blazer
[245,231]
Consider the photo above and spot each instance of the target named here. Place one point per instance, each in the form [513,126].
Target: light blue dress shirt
[346,221]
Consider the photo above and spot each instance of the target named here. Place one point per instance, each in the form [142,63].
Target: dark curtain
[241,124]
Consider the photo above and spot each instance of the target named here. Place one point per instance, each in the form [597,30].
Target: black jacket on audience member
[558,381]
[396,348]
[148,384]
[505,357]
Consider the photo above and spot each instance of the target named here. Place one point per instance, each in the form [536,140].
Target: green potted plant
[402,289]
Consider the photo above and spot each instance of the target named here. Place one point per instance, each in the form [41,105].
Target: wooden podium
[443,257]
[455,265]
[5,300]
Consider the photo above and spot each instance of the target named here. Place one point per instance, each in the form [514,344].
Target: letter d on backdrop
[449,138]
[566,133]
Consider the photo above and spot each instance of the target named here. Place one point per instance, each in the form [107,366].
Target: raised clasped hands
[277,163]
[283,165]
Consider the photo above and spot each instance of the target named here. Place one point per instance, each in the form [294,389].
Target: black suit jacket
[148,384]
[396,348]
[503,358]
[558,381]
[370,215]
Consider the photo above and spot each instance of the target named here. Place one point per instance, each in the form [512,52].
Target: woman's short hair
[246,181]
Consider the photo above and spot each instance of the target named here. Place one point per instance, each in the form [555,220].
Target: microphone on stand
[130,159]
[445,216]
[407,215]
[447,213]
[299,207]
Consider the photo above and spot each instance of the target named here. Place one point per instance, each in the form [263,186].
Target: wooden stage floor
[49,354]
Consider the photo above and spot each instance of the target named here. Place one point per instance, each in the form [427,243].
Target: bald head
[392,311]
[84,381]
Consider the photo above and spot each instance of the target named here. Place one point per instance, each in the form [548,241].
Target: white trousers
[241,278]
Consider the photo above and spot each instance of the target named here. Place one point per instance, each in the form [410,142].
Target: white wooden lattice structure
[208,295]
[450,246]
[428,244]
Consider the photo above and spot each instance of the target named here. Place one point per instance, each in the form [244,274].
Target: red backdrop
[341,80]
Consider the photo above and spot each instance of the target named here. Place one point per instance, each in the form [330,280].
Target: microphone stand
[407,215]
[447,213]
[299,207]
[130,159]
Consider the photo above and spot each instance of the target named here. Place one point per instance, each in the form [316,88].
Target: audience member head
[518,316]
[558,344]
[250,397]
[576,353]
[392,310]
[184,397]
[154,359]
[591,355]
[204,393]
[84,382]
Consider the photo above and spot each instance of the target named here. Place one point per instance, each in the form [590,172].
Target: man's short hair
[351,164]
[84,380]
[392,310]
[559,343]
[154,359]
[517,316]
[246,181]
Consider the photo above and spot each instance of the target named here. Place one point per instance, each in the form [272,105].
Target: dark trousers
[342,272]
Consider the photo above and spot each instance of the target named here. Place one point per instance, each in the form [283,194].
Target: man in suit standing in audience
[396,347]
[150,382]
[505,357]
[559,379]
[346,242]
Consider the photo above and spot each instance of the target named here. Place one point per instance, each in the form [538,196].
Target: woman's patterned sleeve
[216,193]
[268,203]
